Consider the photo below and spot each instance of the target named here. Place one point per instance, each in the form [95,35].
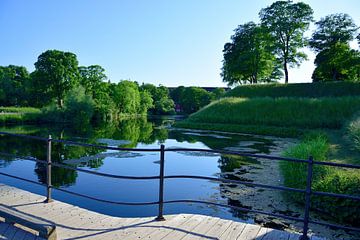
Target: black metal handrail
[307,191]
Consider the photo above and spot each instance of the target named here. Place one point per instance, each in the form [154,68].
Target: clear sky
[168,42]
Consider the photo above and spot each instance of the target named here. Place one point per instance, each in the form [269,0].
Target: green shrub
[280,112]
[313,90]
[78,107]
[353,130]
[325,179]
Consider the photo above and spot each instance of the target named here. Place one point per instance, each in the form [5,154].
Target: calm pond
[143,133]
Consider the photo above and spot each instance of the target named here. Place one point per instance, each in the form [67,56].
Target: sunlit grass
[279,112]
[325,179]
[314,90]
[19,114]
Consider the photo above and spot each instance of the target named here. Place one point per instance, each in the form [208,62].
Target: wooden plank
[233,231]
[161,233]
[145,229]
[250,231]
[200,231]
[20,218]
[218,229]
[188,227]
[79,223]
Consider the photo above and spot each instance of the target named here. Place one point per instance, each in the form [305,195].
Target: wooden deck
[76,223]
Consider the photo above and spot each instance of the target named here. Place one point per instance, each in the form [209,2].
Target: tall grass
[353,130]
[325,179]
[279,112]
[313,90]
[19,114]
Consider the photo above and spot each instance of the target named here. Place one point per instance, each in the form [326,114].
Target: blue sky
[177,42]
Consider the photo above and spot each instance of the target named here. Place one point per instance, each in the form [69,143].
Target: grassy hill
[313,90]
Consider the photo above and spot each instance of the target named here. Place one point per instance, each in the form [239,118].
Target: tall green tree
[248,58]
[91,78]
[286,22]
[335,60]
[333,29]
[126,96]
[14,81]
[57,71]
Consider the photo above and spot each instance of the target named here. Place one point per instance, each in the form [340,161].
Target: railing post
[160,216]
[48,171]
[307,198]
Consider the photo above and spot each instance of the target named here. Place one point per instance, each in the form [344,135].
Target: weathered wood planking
[75,222]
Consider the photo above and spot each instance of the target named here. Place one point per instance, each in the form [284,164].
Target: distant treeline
[66,91]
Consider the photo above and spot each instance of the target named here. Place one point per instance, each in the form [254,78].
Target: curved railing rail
[161,177]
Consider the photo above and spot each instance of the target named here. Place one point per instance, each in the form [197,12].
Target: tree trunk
[286,72]
[60,102]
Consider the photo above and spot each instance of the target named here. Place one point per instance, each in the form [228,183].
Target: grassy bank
[300,113]
[312,90]
[11,115]
[325,179]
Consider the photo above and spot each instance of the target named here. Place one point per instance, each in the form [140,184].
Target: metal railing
[162,150]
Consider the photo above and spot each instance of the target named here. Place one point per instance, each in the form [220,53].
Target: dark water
[140,133]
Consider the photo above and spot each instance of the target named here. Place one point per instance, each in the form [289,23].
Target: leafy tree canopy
[332,29]
[337,63]
[248,58]
[14,81]
[58,72]
[91,78]
[286,22]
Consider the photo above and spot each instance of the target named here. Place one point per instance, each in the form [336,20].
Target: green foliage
[91,78]
[19,115]
[286,22]
[338,62]
[332,29]
[280,112]
[56,73]
[162,104]
[218,93]
[79,107]
[353,131]
[146,102]
[325,179]
[194,98]
[313,90]
[335,60]
[126,97]
[248,58]
[14,81]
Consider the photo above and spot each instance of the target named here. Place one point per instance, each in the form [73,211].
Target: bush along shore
[312,120]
